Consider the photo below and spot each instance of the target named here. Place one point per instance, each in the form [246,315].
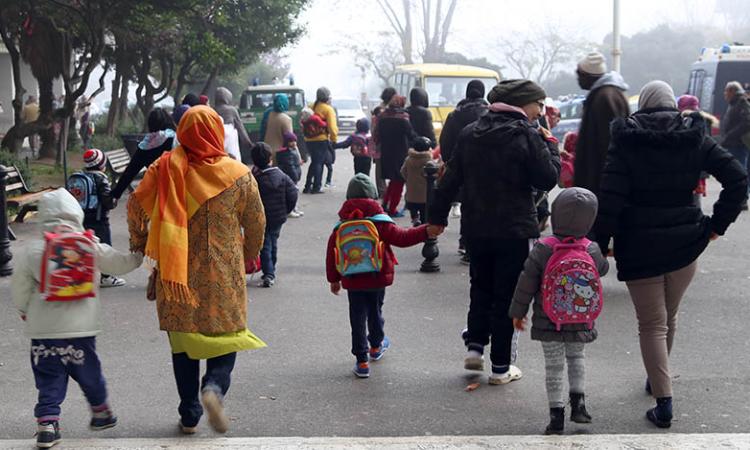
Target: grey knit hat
[516,92]
[361,186]
[323,94]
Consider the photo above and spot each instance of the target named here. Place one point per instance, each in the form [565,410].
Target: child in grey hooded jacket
[573,214]
[63,333]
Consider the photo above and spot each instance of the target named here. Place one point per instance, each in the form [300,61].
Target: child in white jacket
[63,342]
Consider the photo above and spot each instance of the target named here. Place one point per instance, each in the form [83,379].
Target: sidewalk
[579,442]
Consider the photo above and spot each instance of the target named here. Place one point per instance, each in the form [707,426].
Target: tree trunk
[114,105]
[210,81]
[122,112]
[46,106]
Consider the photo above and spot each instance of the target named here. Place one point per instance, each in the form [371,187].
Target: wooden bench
[19,195]
[117,162]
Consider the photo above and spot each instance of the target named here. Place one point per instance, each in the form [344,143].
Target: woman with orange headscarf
[198,218]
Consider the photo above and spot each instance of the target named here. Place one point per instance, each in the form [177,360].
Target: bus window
[448,91]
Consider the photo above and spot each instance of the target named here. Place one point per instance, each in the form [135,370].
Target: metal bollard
[5,255]
[430,250]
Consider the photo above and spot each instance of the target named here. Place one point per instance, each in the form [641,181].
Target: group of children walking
[65,265]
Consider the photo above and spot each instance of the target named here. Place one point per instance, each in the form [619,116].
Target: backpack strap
[381,218]
[554,241]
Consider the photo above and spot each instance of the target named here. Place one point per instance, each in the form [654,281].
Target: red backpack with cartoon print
[68,269]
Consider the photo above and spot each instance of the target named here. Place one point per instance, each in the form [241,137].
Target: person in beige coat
[416,184]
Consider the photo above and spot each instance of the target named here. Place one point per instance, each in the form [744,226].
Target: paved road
[301,384]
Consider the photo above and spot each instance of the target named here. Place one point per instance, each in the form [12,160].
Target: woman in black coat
[160,139]
[419,116]
[646,204]
[395,134]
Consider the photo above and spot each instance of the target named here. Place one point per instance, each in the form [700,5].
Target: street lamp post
[616,50]
[5,254]
[430,250]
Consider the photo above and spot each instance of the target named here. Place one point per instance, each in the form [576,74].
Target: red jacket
[390,234]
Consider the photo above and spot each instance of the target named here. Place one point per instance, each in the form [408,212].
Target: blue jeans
[53,361]
[741,153]
[318,155]
[186,373]
[269,250]
[366,314]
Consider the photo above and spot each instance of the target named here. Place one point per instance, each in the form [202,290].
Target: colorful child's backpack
[68,266]
[359,145]
[358,246]
[82,187]
[313,125]
[571,285]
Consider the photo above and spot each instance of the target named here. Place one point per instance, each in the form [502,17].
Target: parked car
[571,112]
[348,112]
[256,99]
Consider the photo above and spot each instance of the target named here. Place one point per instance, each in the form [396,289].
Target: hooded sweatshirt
[70,319]
[230,115]
[390,234]
[419,116]
[573,214]
[416,183]
[499,160]
[606,101]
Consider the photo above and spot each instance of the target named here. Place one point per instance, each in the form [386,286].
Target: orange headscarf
[187,177]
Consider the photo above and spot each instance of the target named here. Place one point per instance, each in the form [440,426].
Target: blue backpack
[82,186]
[358,246]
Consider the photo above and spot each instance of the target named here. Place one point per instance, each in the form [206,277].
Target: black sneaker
[102,420]
[48,434]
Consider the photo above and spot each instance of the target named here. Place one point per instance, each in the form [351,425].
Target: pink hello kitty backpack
[571,285]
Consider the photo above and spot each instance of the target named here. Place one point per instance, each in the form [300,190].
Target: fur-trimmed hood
[659,128]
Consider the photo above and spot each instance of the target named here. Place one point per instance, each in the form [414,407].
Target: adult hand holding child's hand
[434,231]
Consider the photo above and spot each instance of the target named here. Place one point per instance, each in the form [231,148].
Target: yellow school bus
[445,84]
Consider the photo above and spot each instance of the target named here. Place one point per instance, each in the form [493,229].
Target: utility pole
[616,51]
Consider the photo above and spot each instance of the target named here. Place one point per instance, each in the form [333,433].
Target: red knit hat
[94,159]
[203,99]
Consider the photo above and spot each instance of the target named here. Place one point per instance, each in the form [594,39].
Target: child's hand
[336,288]
[434,231]
[251,266]
[519,324]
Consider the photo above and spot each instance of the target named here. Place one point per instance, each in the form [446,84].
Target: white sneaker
[474,360]
[300,213]
[111,281]
[513,374]
[215,411]
[456,210]
[294,215]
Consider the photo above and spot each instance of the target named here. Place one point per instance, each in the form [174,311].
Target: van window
[448,91]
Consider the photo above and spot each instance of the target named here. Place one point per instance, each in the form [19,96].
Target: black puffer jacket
[419,116]
[646,201]
[278,193]
[498,161]
[395,135]
[736,122]
[467,111]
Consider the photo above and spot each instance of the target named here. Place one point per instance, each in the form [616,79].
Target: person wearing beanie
[416,184]
[279,196]
[320,146]
[203,99]
[366,290]
[605,102]
[498,161]
[359,144]
[467,111]
[93,190]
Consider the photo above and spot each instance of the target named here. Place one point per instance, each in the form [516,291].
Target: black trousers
[362,164]
[495,267]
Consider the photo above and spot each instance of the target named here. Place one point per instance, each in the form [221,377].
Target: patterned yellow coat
[217,251]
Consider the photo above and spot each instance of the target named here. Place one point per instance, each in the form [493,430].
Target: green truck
[256,99]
